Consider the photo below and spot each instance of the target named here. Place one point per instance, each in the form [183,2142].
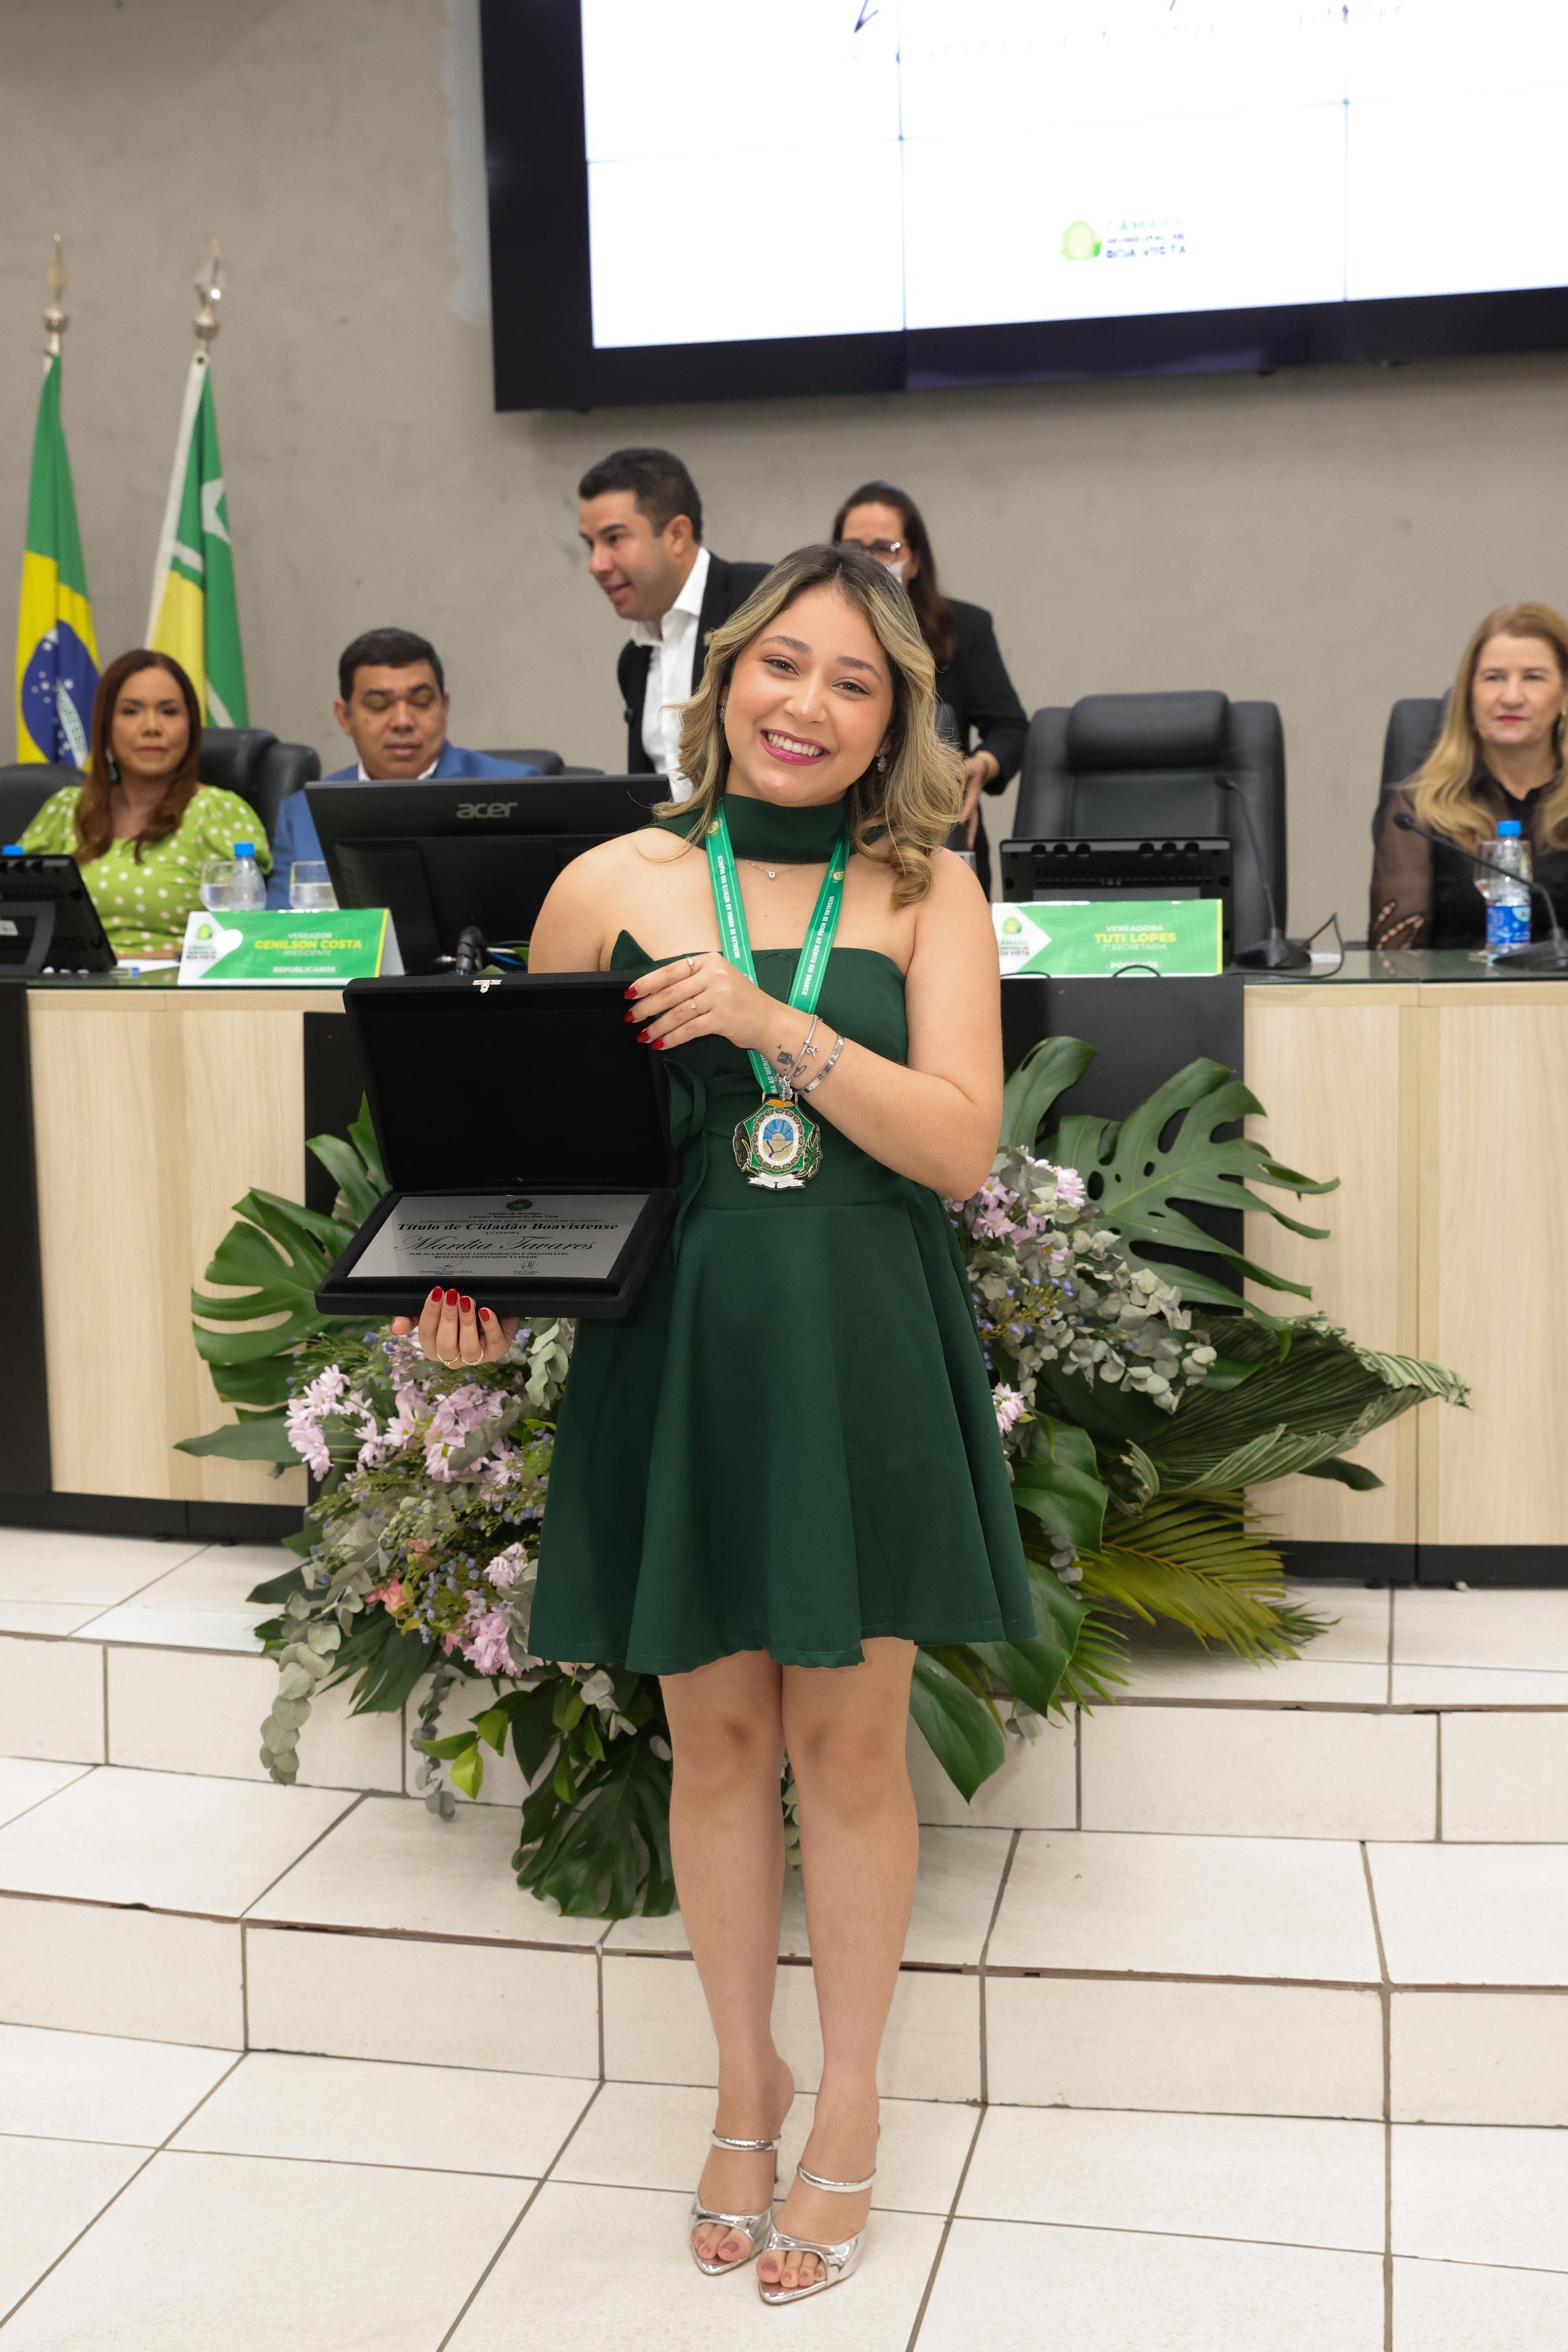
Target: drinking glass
[217,883]
[311,890]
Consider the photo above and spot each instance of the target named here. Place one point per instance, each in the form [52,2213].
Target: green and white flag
[193,614]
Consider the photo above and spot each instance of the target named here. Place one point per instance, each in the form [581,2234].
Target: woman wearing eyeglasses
[987,720]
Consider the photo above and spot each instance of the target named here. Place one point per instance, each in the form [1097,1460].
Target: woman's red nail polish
[633,1015]
[632,990]
[434,1294]
[661,1043]
[451,1297]
[486,1316]
[467,1305]
[644,1038]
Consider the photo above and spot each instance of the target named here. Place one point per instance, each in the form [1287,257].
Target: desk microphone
[1540,955]
[1276,953]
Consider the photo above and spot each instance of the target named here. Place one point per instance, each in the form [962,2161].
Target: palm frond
[1312,1395]
[1198,1559]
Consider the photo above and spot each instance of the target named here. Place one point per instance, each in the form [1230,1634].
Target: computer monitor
[1083,866]
[48,919]
[442,855]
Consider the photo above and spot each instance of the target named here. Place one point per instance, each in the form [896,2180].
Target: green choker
[783,836]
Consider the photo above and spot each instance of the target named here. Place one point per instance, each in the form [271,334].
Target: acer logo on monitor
[485,808]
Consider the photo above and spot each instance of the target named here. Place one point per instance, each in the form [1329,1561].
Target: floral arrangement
[1130,1433]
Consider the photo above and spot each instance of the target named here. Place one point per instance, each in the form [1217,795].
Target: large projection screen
[713,199]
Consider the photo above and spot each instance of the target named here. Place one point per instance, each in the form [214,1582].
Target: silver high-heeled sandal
[837,2260]
[754,2227]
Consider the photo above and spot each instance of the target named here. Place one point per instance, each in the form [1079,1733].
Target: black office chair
[1132,765]
[549,763]
[25,788]
[1414,726]
[251,761]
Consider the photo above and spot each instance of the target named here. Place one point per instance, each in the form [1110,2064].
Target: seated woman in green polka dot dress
[141,825]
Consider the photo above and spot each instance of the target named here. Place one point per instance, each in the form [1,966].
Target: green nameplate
[268,948]
[1091,938]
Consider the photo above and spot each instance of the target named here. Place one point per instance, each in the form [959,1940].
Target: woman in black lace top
[1500,754]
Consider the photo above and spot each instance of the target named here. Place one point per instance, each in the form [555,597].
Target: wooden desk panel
[1494,1222]
[1336,1071]
[1443,1108]
[153,1113]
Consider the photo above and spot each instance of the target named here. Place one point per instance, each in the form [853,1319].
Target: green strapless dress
[789,1445]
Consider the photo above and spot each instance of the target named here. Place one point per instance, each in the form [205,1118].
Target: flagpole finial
[209,282]
[54,319]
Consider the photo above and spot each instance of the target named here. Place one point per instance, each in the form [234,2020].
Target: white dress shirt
[365,778]
[673,644]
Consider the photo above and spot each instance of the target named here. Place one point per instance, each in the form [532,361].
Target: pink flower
[1070,1188]
[391,1595]
[454,1420]
[484,1641]
[404,1424]
[304,1433]
[506,1566]
[993,1223]
[1010,1408]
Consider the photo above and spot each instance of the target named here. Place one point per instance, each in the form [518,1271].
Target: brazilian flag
[57,652]
[193,616]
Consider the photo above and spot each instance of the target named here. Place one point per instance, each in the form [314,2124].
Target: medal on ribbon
[778,1148]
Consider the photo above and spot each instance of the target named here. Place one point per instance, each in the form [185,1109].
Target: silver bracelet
[827,1066]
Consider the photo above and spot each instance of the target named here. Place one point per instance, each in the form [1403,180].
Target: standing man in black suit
[642,522]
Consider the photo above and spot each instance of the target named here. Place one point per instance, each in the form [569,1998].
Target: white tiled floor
[343,2111]
[1291,2182]
[1277,1908]
[1015,2282]
[1459,2307]
[1176,2008]
[26,1782]
[394,1866]
[43,1564]
[1262,1772]
[217,2250]
[169,1841]
[1470,1914]
[1481,1628]
[1480,2057]
[89,2087]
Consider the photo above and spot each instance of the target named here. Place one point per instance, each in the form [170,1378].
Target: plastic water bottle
[248,889]
[1508,902]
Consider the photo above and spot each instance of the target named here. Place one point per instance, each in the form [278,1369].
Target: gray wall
[1324,540]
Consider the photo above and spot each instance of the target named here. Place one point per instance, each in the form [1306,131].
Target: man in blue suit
[393,704]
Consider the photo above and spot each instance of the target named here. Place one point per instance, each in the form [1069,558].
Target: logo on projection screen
[1131,238]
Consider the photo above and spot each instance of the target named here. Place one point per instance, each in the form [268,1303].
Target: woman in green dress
[782,1471]
[141,824]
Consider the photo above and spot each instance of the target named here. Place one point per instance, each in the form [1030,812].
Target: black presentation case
[519,1121]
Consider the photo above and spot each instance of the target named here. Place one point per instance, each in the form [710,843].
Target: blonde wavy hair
[1441,787]
[899,816]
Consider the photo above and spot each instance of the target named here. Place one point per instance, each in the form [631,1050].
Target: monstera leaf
[1046,1071]
[1134,1179]
[270,1264]
[1056,1481]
